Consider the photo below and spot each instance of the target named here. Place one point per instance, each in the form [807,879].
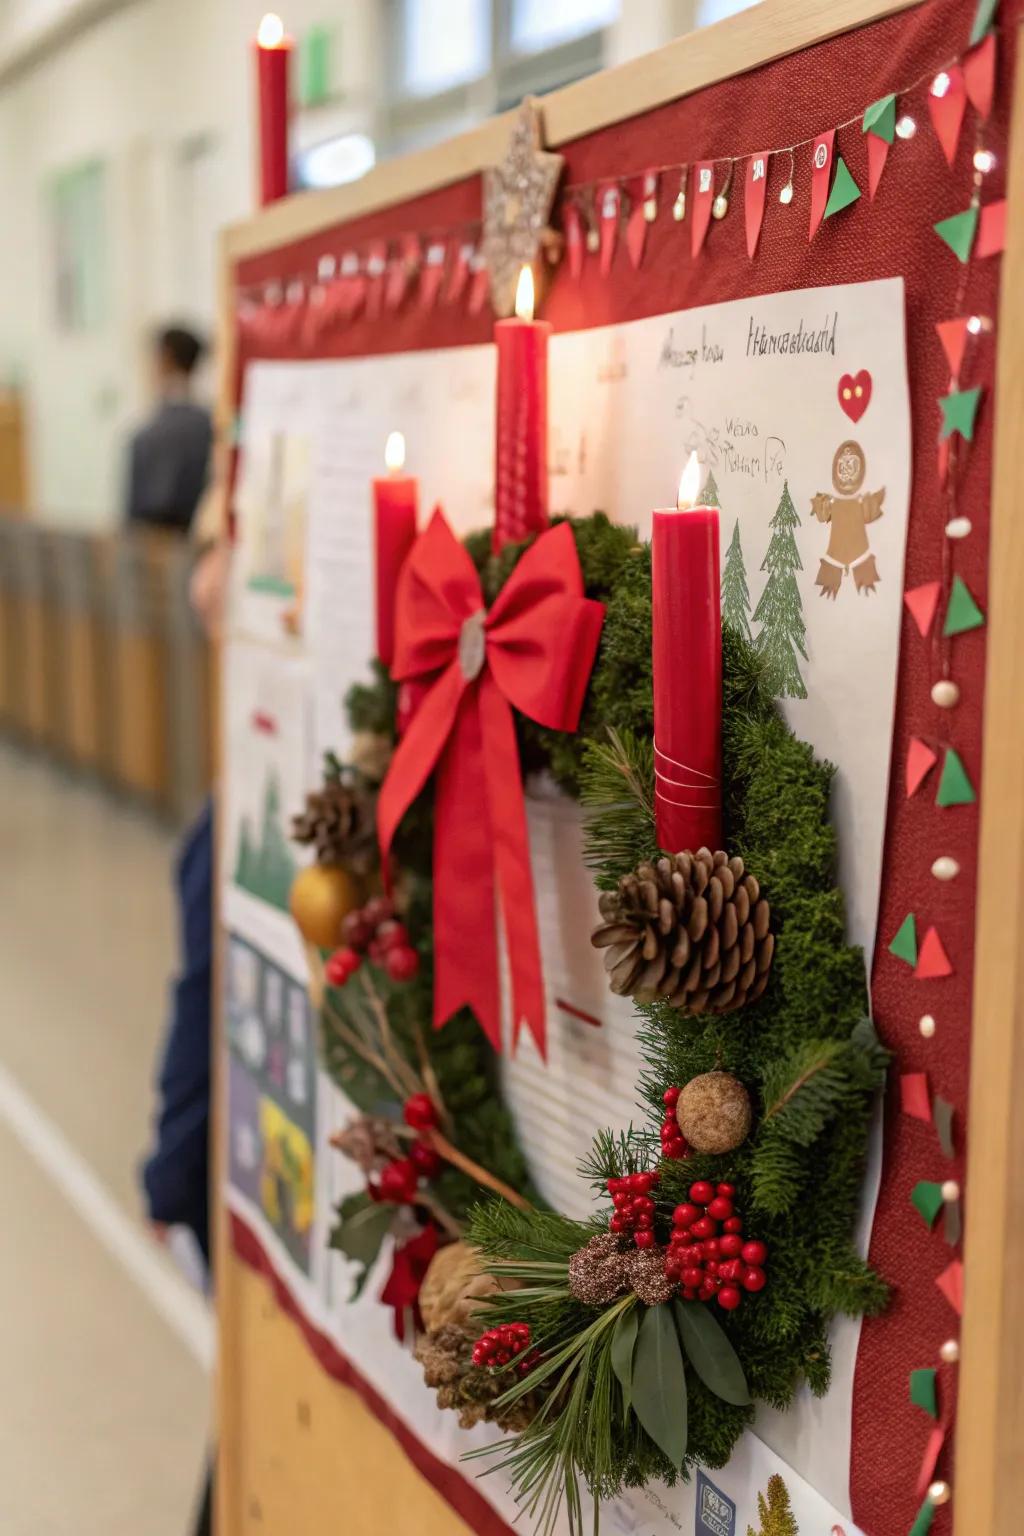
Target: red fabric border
[791,99]
[456,1489]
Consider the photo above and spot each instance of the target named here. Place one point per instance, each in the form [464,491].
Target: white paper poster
[797,407]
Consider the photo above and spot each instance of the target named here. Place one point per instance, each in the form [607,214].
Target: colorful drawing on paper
[264,865]
[272,1095]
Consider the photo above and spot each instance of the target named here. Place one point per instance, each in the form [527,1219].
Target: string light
[984,161]
[720,206]
[786,194]
[926,1025]
[945,693]
[941,84]
[950,1191]
[958,528]
[945,867]
[679,206]
[906,127]
[949,1353]
[939,1493]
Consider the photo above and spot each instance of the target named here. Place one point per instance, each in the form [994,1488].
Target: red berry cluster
[400,1178]
[673,1142]
[707,1254]
[373,931]
[505,1344]
[634,1208]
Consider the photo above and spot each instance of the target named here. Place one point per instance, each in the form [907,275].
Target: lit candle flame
[689,484]
[270,33]
[524,294]
[394,452]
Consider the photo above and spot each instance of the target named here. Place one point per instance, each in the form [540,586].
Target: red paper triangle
[932,960]
[991,230]
[753,201]
[915,1100]
[944,443]
[702,197]
[610,202]
[572,222]
[953,335]
[947,112]
[920,761]
[980,75]
[432,275]
[636,234]
[922,603]
[821,176]
[480,287]
[878,154]
[951,1284]
[459,275]
[932,1450]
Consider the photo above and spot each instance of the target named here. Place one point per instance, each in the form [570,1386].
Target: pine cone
[599,1271]
[340,822]
[691,928]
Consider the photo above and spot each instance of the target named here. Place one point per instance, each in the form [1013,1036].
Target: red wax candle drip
[521,482]
[394,514]
[687,660]
[272,64]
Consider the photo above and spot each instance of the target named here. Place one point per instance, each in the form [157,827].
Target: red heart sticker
[855,393]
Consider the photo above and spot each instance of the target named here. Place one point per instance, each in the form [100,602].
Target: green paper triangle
[923,1524]
[926,1198]
[963,612]
[983,18]
[923,1393]
[880,119]
[958,412]
[955,788]
[904,945]
[844,190]
[958,231]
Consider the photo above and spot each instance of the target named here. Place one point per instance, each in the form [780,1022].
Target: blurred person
[176,1175]
[169,457]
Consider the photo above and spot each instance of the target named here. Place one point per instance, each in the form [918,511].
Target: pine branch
[617,791]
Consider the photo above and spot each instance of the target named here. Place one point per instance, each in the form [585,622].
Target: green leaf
[622,1347]
[710,1353]
[361,1230]
[926,1198]
[659,1383]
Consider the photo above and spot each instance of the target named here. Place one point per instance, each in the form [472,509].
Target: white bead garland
[945,867]
[926,1025]
[945,693]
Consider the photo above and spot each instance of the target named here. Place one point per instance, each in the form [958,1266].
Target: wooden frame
[989,1465]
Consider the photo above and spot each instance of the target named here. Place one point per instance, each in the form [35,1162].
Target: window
[537,24]
[716,10]
[439,56]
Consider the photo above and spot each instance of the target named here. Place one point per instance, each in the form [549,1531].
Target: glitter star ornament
[518,196]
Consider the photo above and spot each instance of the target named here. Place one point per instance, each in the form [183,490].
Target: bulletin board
[902,328]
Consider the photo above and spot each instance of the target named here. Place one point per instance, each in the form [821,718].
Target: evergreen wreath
[622,1374]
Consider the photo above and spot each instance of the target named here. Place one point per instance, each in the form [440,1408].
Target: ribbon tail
[465,935]
[415,757]
[511,847]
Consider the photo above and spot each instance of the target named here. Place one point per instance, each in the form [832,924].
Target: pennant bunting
[926,1198]
[942,1114]
[959,409]
[953,335]
[458,277]
[915,1099]
[980,76]
[955,788]
[958,232]
[922,602]
[932,960]
[880,118]
[572,225]
[610,204]
[924,1392]
[480,284]
[951,1284]
[947,107]
[984,15]
[844,190]
[376,269]
[992,230]
[432,276]
[920,761]
[753,201]
[821,174]
[923,1523]
[962,612]
[943,458]
[643,212]
[878,154]
[703,197]
[904,945]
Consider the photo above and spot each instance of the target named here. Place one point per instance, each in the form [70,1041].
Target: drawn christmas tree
[709,495]
[775,1511]
[735,596]
[780,611]
[267,870]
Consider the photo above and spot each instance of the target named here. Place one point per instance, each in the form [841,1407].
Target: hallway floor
[104,1416]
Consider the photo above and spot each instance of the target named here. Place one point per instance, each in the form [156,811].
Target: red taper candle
[687,664]
[395,498]
[273,57]
[521,461]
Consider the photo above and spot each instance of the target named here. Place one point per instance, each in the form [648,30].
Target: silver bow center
[472,645]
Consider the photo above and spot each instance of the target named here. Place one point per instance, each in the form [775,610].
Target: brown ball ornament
[714,1112]
[320,897]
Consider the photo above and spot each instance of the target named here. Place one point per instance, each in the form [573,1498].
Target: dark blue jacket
[176,1175]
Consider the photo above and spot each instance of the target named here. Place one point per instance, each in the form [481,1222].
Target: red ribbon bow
[409,1264]
[534,650]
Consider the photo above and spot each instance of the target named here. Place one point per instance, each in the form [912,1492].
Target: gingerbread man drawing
[848,515]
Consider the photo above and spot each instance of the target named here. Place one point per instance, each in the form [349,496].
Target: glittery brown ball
[598,1271]
[648,1278]
[714,1112]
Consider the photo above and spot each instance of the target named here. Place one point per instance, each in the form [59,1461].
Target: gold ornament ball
[714,1112]
[322,895]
